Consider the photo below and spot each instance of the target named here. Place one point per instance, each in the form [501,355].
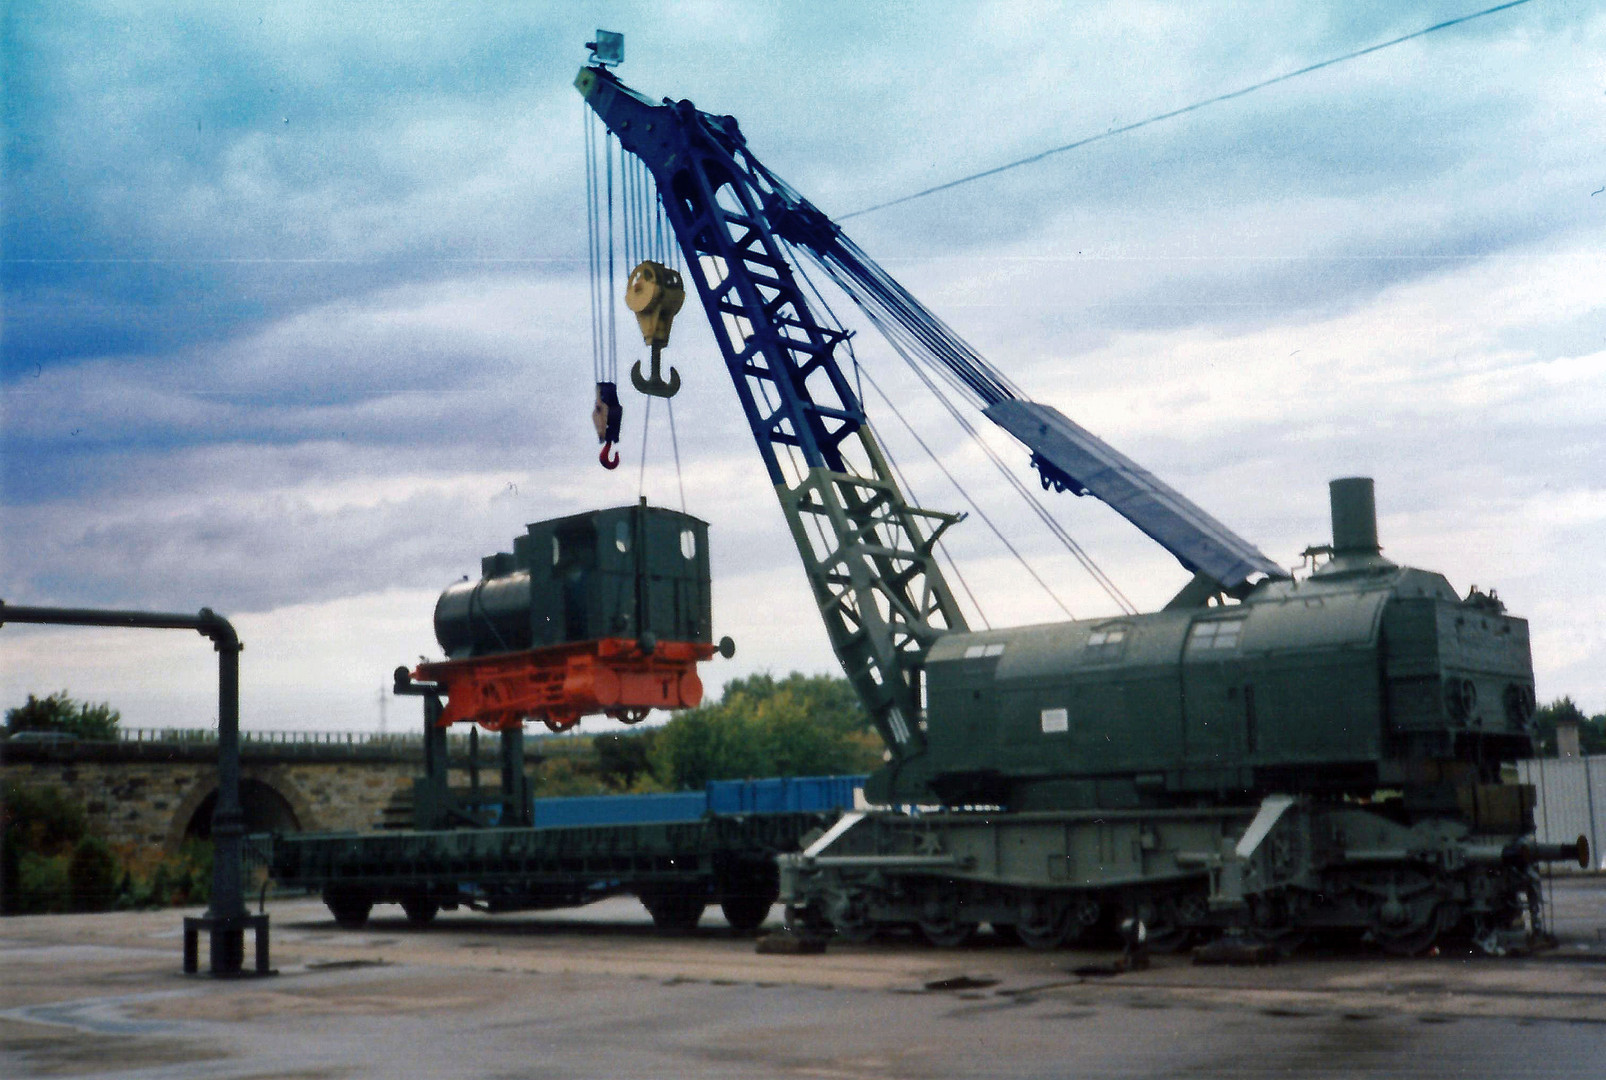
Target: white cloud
[1389,268]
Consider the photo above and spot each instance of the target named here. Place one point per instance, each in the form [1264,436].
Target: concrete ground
[594,993]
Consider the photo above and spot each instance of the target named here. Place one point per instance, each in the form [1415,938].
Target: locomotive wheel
[674,913]
[947,932]
[420,910]
[350,907]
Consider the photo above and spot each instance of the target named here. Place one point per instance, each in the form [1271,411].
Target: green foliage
[51,862]
[150,877]
[92,875]
[40,885]
[1591,729]
[624,760]
[61,714]
[41,819]
[41,828]
[802,725]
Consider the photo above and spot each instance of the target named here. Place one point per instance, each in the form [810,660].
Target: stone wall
[153,802]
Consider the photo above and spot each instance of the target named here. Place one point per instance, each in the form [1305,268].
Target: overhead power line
[1185,109]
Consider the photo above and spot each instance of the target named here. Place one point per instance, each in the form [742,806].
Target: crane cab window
[688,544]
[1215,635]
[978,652]
[1107,642]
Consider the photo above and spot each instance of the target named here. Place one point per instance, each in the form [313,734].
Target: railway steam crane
[1319,754]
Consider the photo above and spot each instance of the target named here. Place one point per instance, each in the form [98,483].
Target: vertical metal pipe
[226,916]
[228,822]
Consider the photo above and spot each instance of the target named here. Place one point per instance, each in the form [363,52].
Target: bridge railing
[372,739]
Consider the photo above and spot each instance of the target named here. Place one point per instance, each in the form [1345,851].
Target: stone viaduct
[159,787]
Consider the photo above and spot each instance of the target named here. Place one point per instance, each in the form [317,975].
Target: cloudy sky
[295,300]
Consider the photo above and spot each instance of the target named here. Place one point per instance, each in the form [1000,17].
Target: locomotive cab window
[1216,634]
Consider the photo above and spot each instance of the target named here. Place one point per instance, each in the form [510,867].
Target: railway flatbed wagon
[678,853]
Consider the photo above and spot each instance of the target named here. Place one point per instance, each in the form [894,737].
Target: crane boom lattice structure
[868,552]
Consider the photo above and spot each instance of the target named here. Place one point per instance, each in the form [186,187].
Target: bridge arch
[268,802]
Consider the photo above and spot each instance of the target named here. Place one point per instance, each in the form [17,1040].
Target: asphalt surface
[595,993]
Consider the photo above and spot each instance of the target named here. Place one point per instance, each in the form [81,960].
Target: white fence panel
[1572,801]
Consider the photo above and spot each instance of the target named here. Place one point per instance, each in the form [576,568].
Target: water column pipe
[226,918]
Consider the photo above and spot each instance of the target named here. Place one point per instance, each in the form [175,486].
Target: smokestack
[1354,516]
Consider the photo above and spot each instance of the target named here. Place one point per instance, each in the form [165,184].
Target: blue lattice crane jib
[867,552]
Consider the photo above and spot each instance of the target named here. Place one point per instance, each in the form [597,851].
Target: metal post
[431,795]
[226,918]
[515,786]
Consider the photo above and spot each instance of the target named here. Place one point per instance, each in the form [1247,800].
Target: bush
[39,827]
[42,885]
[92,876]
[51,862]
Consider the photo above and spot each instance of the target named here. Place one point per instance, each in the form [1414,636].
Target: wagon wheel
[674,913]
[349,906]
[747,895]
[746,912]
[420,910]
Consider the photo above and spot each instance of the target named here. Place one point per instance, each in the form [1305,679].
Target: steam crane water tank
[604,612]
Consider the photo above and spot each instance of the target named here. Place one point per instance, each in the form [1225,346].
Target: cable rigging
[1216,100]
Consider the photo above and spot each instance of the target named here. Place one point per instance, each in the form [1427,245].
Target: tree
[624,758]
[60,713]
[803,725]
[1591,730]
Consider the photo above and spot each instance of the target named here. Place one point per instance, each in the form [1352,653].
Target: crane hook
[605,415]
